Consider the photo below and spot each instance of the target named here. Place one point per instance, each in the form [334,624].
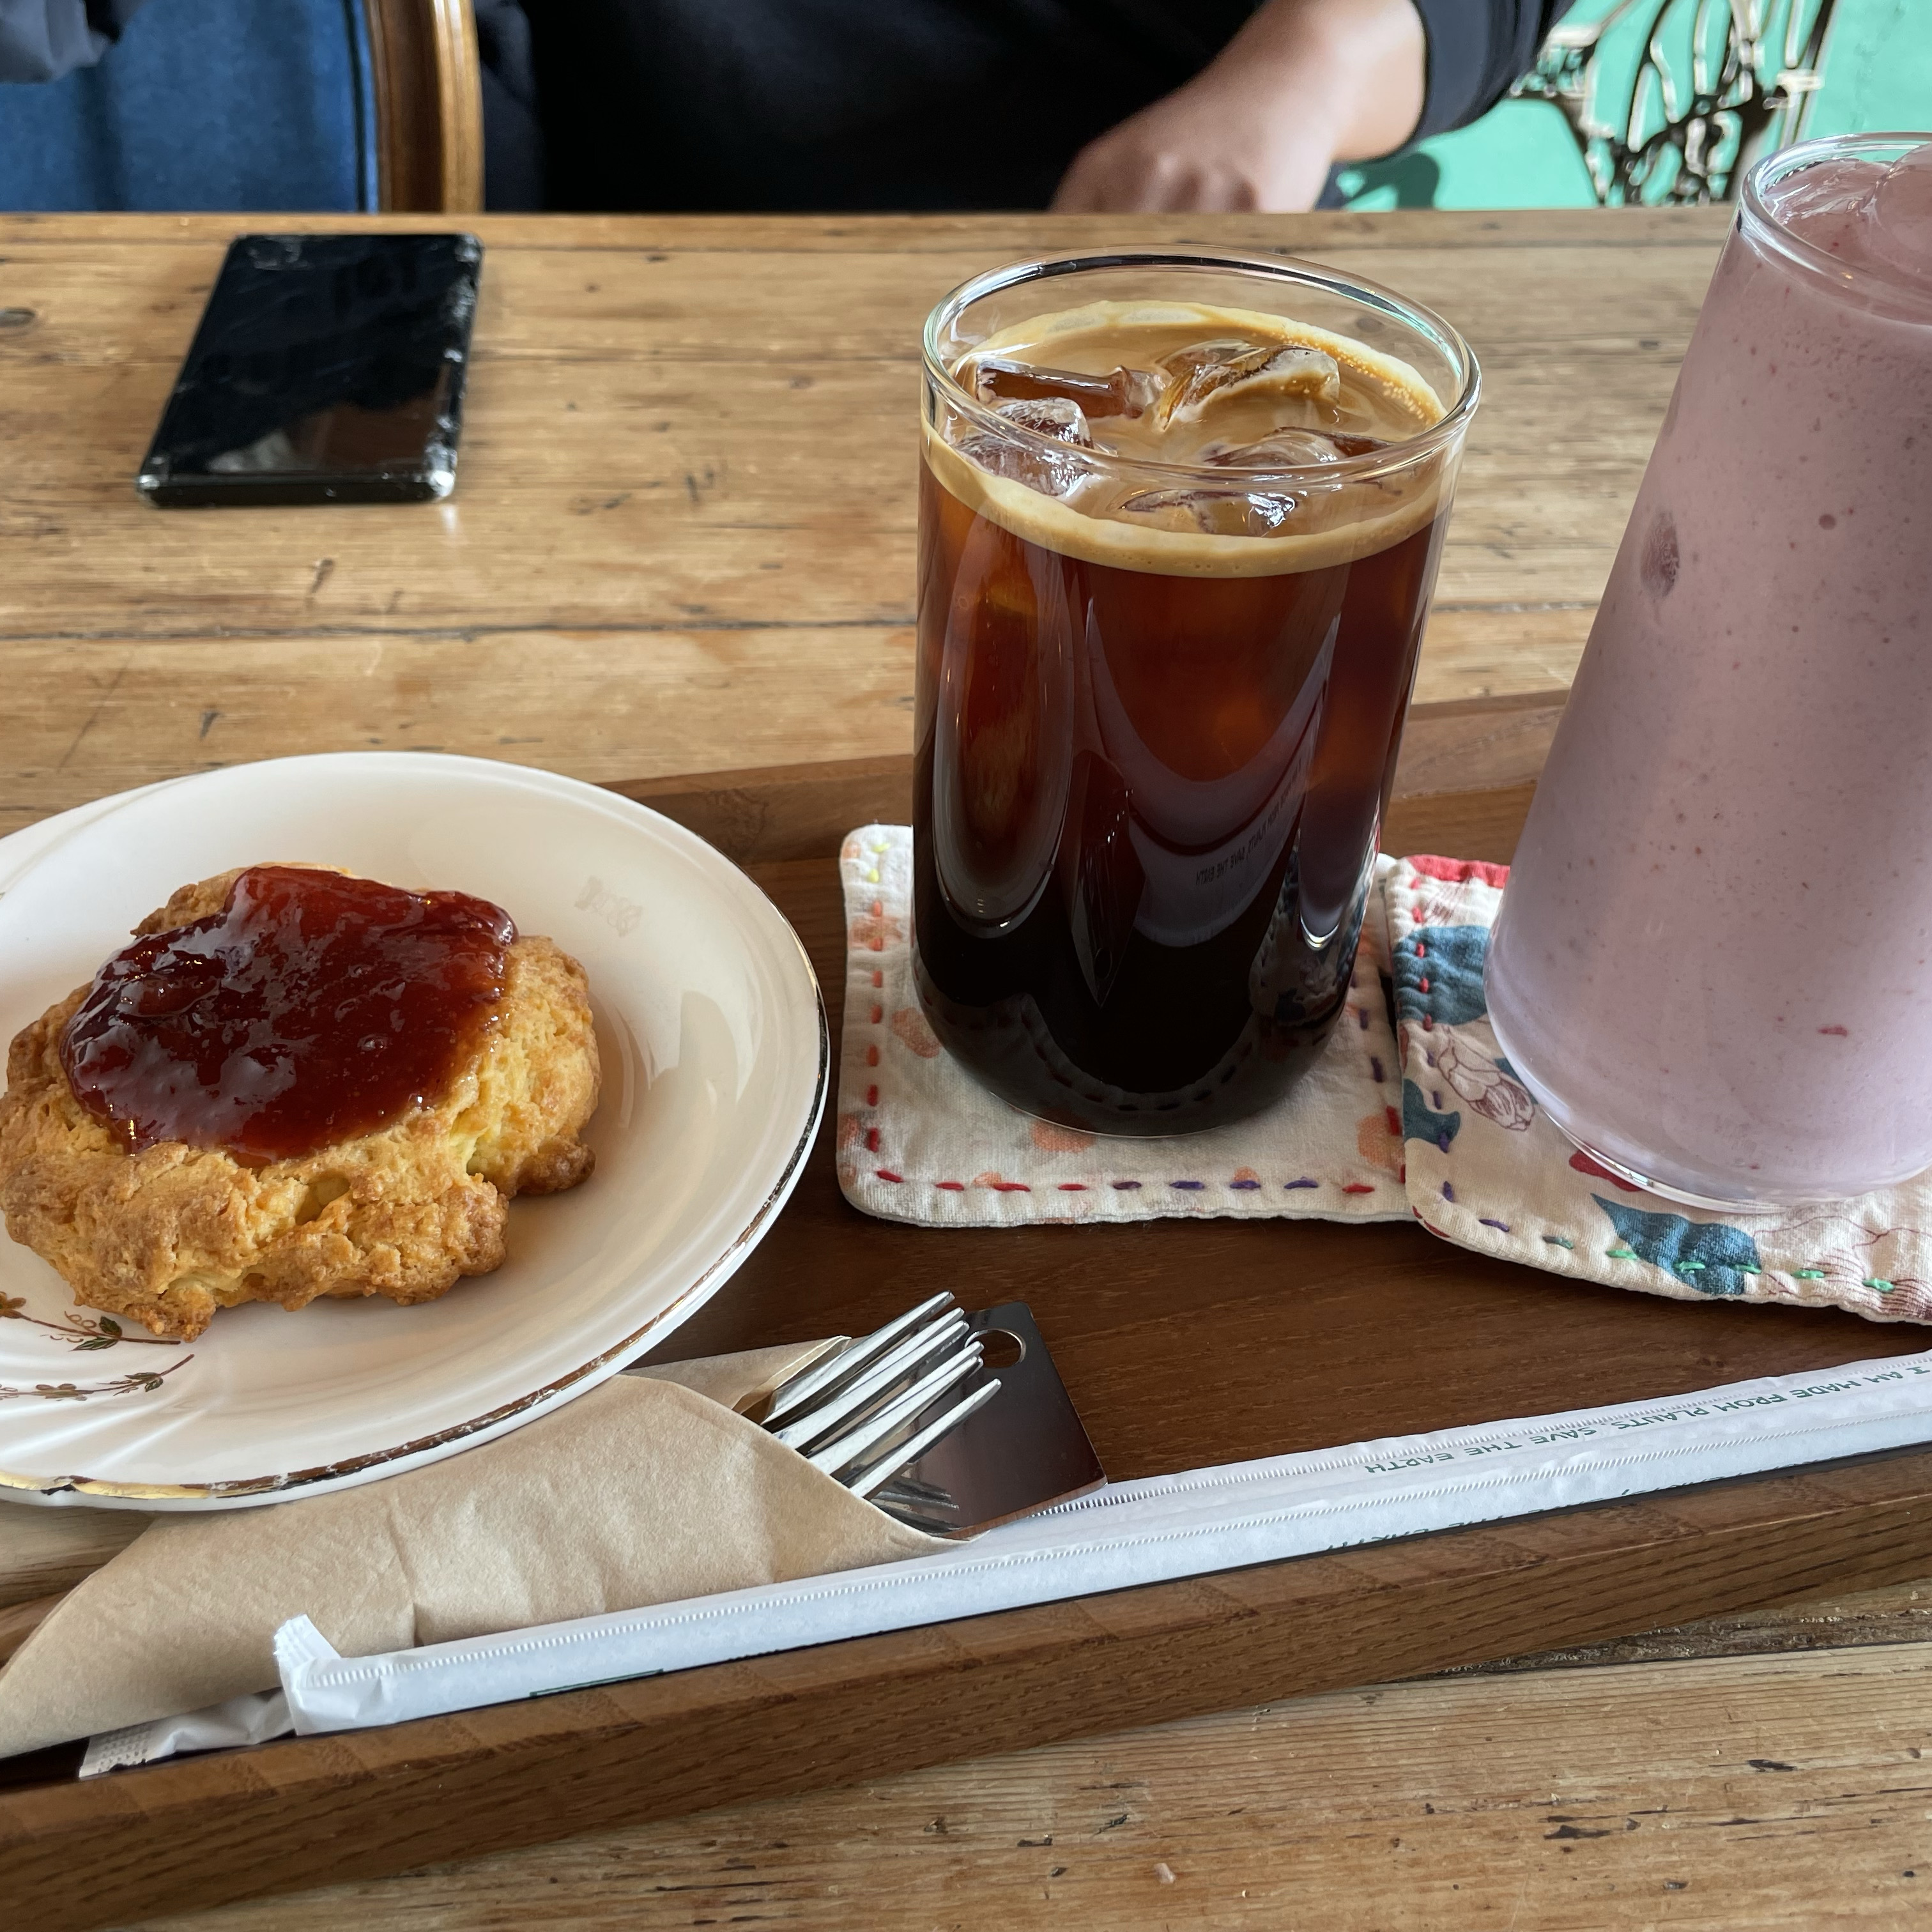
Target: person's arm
[1476,49]
[41,40]
[1304,85]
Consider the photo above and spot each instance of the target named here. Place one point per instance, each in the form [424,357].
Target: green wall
[1877,73]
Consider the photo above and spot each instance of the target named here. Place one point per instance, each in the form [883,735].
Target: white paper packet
[240,1720]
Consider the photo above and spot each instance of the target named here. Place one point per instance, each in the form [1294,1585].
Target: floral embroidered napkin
[1421,1115]
[1487,1169]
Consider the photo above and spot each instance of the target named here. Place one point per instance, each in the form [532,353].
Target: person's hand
[1304,84]
[1212,145]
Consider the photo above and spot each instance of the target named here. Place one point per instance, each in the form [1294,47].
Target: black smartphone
[326,369]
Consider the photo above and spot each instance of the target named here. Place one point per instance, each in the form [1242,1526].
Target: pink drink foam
[1714,958]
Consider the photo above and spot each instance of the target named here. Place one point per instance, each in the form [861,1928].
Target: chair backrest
[258,105]
[1669,101]
[429,104]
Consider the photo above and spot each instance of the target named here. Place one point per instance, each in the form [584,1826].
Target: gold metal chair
[1670,100]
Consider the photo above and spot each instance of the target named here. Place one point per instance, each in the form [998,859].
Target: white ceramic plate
[21,851]
[715,1058]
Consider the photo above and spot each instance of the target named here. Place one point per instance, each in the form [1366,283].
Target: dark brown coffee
[1157,726]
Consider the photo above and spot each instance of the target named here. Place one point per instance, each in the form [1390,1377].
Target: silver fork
[856,1415]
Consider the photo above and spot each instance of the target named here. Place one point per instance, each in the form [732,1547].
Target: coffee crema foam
[1166,458]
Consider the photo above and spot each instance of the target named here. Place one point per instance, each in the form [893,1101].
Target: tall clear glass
[1714,963]
[1179,523]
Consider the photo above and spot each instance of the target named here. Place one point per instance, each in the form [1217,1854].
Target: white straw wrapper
[1156,1530]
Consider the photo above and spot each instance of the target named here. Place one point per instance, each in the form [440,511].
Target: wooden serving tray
[1183,1343]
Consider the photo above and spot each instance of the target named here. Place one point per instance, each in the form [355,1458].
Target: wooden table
[682,539]
[682,542]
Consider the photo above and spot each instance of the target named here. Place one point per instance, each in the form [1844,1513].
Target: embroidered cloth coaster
[1488,1169]
[1420,1115]
[920,1140]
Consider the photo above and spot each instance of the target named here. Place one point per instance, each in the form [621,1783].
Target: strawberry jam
[311,1009]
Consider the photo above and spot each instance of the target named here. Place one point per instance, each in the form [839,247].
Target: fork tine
[883,1387]
[906,1490]
[850,1359]
[944,1332]
[874,1475]
[877,1428]
[928,1526]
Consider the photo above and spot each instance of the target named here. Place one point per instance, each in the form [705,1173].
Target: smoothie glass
[1713,965]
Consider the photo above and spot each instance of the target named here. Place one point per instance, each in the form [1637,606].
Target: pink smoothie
[1714,963]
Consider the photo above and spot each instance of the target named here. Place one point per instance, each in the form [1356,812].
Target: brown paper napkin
[649,1489]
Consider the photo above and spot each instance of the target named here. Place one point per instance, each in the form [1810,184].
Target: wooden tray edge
[363,1804]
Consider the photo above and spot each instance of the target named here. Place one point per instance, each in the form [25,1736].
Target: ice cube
[1224,348]
[1053,471]
[1220,513]
[1057,416]
[1898,215]
[1199,378]
[1124,392]
[1290,449]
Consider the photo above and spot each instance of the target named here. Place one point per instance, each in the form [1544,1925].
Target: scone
[240,1200]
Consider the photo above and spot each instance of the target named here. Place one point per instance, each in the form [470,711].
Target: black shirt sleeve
[41,40]
[1477,48]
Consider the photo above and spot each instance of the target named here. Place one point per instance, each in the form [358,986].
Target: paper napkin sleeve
[647,1489]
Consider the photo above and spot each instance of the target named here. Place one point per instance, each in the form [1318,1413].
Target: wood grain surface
[681,543]
[1747,1795]
[1491,749]
[361,1803]
[1182,1344]
[682,536]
